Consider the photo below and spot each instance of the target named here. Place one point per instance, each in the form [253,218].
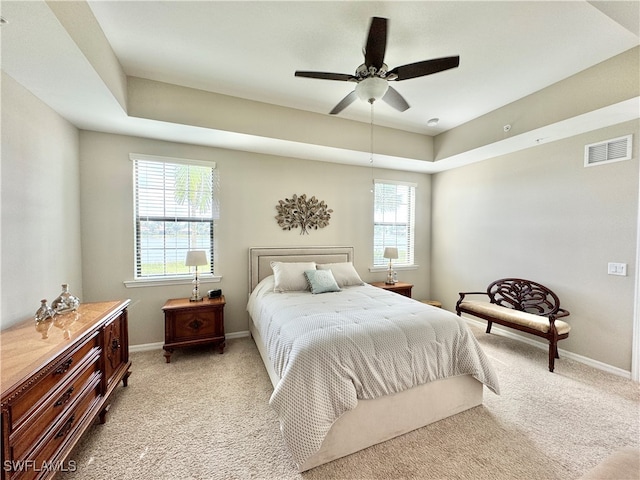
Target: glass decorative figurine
[44,312]
[65,301]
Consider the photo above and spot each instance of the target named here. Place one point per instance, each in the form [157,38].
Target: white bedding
[332,349]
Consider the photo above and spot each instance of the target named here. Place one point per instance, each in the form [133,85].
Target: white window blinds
[394,221]
[175,207]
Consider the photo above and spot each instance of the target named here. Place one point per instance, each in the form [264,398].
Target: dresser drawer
[37,424]
[66,429]
[58,375]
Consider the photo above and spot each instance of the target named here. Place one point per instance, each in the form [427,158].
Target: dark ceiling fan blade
[427,67]
[376,43]
[344,103]
[393,98]
[325,75]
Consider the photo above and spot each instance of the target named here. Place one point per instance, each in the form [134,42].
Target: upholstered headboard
[260,258]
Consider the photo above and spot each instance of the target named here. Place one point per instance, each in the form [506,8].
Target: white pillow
[343,272]
[289,276]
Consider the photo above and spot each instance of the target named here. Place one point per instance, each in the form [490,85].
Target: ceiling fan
[373,76]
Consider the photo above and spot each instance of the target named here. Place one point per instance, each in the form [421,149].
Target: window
[175,208]
[394,221]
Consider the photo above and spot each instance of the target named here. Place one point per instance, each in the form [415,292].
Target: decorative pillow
[289,276]
[343,272]
[321,281]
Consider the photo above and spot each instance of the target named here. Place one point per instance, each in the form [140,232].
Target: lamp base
[390,278]
[195,293]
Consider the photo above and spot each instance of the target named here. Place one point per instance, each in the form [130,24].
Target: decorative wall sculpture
[298,211]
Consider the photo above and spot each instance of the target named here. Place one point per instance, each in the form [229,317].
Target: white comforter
[332,349]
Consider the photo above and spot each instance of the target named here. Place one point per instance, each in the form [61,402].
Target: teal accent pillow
[321,281]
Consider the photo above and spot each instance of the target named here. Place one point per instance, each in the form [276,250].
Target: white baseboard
[244,333]
[545,346]
[145,347]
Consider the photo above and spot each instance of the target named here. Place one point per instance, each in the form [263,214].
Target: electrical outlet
[617,269]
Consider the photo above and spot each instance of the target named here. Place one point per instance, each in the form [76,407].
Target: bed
[381,411]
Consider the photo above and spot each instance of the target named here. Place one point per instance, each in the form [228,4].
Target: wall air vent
[613,150]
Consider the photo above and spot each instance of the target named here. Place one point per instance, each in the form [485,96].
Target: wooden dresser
[56,380]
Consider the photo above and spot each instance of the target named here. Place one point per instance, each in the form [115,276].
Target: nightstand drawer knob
[196,324]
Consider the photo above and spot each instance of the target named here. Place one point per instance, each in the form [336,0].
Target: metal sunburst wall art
[298,211]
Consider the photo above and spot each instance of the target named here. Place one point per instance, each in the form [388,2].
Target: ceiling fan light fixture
[372,89]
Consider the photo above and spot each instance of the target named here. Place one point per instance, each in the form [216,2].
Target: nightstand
[398,287]
[433,303]
[193,323]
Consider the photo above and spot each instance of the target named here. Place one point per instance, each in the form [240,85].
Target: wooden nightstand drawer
[193,323]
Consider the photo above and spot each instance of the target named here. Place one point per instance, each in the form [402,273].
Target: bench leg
[553,352]
[489,323]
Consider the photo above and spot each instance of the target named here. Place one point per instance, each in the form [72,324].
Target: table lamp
[194,259]
[390,253]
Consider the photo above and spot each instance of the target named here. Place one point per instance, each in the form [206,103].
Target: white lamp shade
[390,252]
[371,89]
[195,258]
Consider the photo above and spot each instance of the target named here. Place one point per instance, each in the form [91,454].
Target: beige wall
[40,200]
[250,186]
[539,214]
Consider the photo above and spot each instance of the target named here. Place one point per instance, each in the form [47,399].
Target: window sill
[397,268]
[163,282]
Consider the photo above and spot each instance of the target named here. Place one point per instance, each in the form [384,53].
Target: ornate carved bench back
[523,295]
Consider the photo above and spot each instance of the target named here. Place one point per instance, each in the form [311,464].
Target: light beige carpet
[206,416]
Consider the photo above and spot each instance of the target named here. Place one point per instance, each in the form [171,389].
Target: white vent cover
[608,151]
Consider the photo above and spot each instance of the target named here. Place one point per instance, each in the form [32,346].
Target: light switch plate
[617,269]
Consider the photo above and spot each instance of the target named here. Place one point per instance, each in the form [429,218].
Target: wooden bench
[522,305]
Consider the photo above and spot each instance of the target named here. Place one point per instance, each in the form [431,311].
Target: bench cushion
[514,316]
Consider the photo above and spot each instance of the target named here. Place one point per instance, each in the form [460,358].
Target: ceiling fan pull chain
[371,136]
[371,145]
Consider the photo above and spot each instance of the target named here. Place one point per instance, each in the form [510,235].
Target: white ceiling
[251,50]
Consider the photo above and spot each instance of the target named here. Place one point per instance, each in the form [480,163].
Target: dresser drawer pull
[64,398]
[115,344]
[66,427]
[64,367]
